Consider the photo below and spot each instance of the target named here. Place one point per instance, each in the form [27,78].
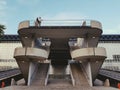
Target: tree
[2,28]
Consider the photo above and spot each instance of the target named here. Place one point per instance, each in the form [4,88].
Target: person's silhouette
[38,21]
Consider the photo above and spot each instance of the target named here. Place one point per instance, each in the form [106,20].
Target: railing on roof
[90,23]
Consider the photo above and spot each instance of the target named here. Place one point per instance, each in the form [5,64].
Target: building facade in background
[9,42]
[112,45]
[7,45]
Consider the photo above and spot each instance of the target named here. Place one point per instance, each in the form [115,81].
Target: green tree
[2,28]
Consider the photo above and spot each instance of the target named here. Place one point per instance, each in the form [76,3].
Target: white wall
[111,49]
[7,49]
[6,54]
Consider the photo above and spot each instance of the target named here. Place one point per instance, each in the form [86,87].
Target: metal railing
[82,22]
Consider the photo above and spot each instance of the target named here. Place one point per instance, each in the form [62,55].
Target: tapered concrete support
[24,67]
[86,67]
[91,61]
[27,59]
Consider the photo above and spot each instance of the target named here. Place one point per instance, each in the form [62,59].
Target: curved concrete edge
[19,51]
[24,24]
[30,52]
[37,52]
[91,23]
[95,24]
[84,53]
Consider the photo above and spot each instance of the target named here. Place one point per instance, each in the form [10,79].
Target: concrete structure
[110,41]
[43,53]
[77,73]
[56,44]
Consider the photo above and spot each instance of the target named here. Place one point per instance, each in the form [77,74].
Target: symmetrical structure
[66,47]
[111,42]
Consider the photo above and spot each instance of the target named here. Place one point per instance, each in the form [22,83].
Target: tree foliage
[2,28]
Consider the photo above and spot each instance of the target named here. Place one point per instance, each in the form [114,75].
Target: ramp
[39,79]
[78,75]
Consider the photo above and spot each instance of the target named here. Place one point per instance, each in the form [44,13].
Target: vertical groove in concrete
[40,76]
[80,79]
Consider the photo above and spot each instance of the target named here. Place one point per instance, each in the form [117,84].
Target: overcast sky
[12,12]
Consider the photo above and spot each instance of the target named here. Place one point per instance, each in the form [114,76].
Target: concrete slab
[56,88]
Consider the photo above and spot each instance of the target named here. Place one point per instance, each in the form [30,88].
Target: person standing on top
[38,21]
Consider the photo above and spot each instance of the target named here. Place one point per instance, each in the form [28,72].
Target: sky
[12,12]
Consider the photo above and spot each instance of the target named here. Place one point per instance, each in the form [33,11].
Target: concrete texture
[56,88]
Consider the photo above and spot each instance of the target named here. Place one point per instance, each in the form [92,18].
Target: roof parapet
[87,23]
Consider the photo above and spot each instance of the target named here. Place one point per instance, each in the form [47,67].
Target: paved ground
[61,86]
[56,88]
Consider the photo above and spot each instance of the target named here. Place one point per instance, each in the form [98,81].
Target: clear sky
[12,12]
